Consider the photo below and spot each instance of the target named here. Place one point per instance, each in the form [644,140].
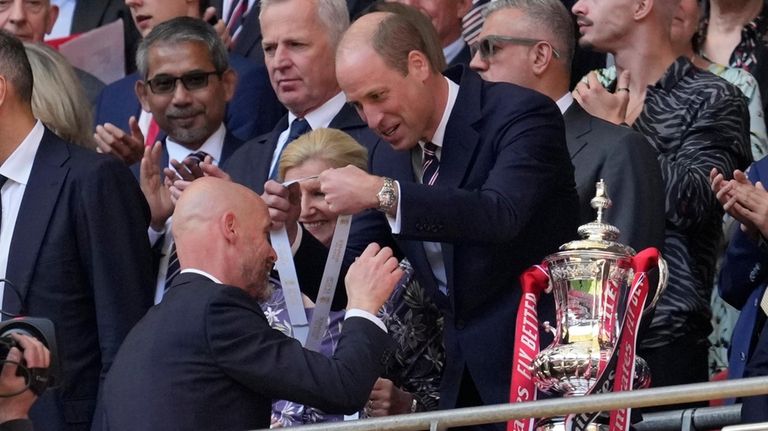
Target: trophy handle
[663,278]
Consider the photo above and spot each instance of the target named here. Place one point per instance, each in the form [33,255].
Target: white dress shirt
[17,168]
[433,250]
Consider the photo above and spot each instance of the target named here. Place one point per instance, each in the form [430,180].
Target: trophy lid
[599,235]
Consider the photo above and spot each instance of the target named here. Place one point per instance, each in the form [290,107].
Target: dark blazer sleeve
[530,157]
[745,266]
[276,366]
[118,254]
[17,425]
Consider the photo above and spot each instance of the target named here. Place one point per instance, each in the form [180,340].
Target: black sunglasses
[488,45]
[164,84]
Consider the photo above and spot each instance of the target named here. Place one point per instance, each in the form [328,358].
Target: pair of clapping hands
[744,201]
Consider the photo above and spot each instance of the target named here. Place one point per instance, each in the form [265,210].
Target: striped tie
[236,16]
[430,164]
[473,21]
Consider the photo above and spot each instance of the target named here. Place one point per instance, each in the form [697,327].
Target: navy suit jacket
[80,257]
[250,166]
[504,199]
[208,360]
[253,110]
[628,164]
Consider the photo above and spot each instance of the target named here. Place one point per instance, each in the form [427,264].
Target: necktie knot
[299,127]
[430,164]
[199,156]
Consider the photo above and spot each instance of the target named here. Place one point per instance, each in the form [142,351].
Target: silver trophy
[591,279]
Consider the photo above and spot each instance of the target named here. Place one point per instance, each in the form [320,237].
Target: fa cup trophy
[600,288]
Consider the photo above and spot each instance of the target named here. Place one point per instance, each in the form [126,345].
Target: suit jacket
[741,283]
[80,257]
[503,200]
[464,57]
[250,166]
[90,14]
[210,361]
[628,164]
[253,110]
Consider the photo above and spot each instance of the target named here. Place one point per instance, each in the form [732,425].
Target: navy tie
[430,164]
[173,260]
[299,127]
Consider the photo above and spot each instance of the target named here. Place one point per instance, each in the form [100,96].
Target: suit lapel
[231,144]
[346,119]
[578,124]
[40,198]
[88,14]
[461,136]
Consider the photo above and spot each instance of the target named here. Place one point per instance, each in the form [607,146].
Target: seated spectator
[58,99]
[208,358]
[413,373]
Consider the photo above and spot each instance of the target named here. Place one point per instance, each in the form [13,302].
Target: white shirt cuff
[394,222]
[356,312]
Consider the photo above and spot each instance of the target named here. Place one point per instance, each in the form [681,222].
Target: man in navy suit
[495,195]
[72,244]
[252,111]
[206,359]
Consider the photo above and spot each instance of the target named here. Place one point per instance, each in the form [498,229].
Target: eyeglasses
[164,84]
[30,6]
[488,45]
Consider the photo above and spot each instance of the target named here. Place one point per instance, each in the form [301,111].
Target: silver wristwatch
[387,195]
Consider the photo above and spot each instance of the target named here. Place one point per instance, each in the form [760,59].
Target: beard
[257,281]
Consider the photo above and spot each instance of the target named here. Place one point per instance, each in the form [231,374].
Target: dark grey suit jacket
[205,358]
[628,164]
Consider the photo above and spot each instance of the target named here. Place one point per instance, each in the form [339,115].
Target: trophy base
[558,424]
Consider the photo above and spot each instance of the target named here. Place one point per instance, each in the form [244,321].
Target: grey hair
[182,30]
[551,15]
[334,14]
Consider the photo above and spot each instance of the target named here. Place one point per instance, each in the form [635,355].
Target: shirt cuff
[154,235]
[395,222]
[356,312]
[297,242]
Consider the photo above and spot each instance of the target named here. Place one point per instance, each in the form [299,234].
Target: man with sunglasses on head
[475,183]
[531,43]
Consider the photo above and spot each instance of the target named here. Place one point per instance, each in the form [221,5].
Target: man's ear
[541,57]
[229,227]
[642,8]
[229,82]
[418,65]
[142,89]
[53,15]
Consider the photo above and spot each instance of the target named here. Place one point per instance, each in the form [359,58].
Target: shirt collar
[200,272]
[453,93]
[453,49]
[18,167]
[213,145]
[324,114]
[565,102]
[674,73]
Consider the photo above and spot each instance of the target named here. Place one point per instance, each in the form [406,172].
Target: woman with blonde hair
[412,377]
[58,98]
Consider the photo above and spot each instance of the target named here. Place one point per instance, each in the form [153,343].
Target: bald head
[222,228]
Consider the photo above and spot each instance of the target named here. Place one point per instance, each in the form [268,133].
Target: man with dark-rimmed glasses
[187,82]
[530,43]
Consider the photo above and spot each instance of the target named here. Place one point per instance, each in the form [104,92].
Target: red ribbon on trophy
[534,282]
[621,367]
